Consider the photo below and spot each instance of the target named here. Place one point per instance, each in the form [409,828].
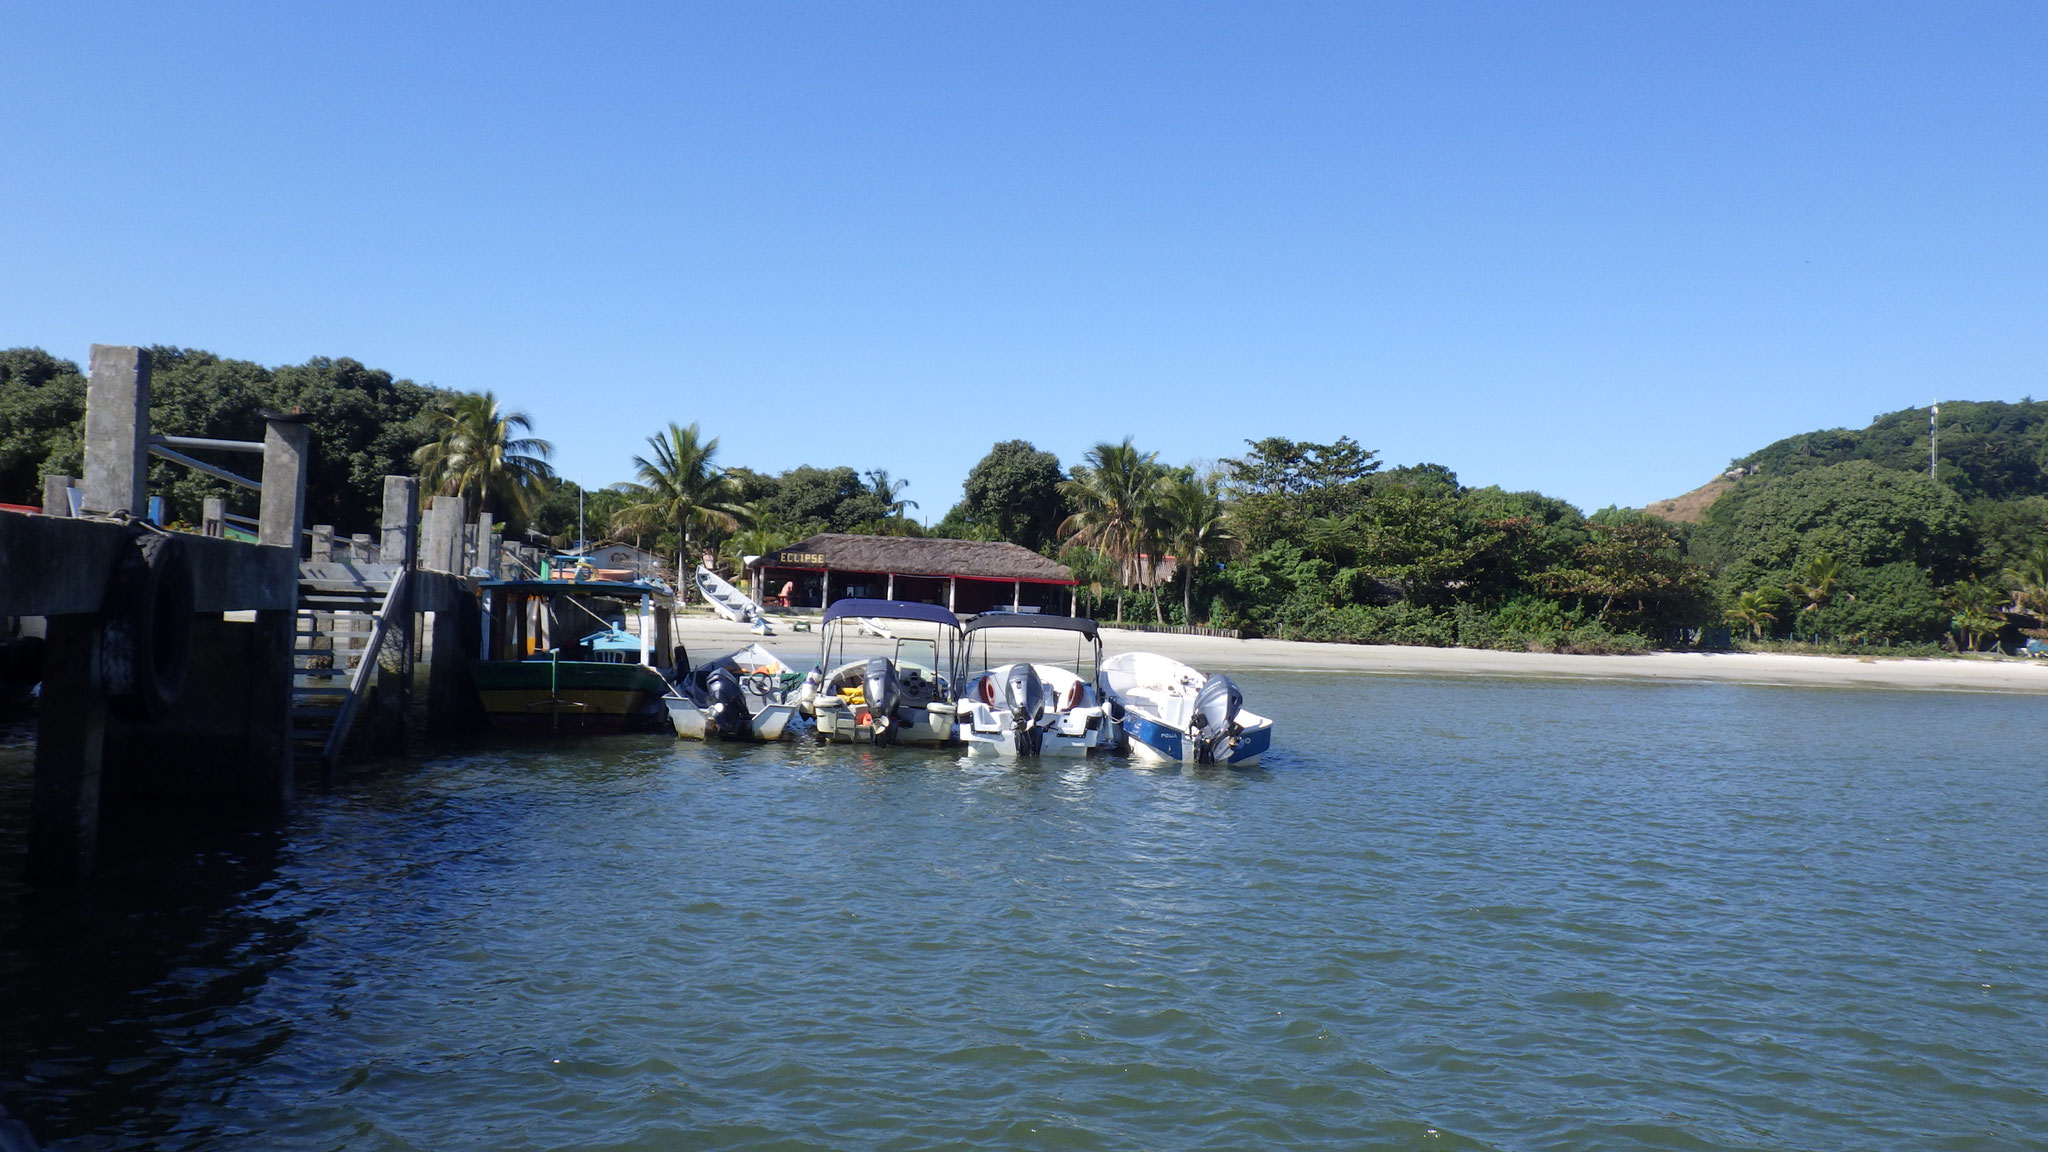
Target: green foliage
[479,452]
[1988,449]
[680,488]
[1858,512]
[1890,604]
[365,424]
[809,500]
[42,420]
[1011,494]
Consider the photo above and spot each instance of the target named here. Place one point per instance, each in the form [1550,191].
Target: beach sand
[707,637]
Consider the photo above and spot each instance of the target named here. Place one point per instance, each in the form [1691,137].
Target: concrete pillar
[268,781]
[390,711]
[441,531]
[57,495]
[891,595]
[486,544]
[320,545]
[951,584]
[360,548]
[286,444]
[1017,595]
[117,430]
[213,519]
[70,743]
[401,521]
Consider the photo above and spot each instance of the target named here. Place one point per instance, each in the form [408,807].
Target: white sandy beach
[707,637]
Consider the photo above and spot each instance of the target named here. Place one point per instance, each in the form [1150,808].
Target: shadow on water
[124,1003]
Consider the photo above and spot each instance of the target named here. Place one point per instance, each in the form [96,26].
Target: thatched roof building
[966,576]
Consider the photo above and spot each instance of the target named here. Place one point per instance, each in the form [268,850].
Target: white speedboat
[1033,708]
[741,696]
[1173,713]
[885,674]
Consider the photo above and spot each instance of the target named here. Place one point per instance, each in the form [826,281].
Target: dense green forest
[1837,538]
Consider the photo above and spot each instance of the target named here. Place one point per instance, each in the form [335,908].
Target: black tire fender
[146,649]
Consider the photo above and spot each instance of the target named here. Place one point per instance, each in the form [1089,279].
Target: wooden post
[117,430]
[282,516]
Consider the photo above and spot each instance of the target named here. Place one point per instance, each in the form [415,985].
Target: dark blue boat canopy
[1081,624]
[890,610]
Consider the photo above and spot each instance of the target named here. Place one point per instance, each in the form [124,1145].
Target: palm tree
[1116,499]
[1755,609]
[1813,585]
[1192,513]
[681,489]
[479,451]
[2029,580]
[1975,607]
[890,492]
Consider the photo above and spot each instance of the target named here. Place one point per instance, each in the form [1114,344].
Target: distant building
[967,576]
[614,556]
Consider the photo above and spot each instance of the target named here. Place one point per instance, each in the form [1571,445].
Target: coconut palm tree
[1115,496]
[1813,585]
[1755,609]
[1191,511]
[480,451]
[681,489]
[2028,579]
[1974,605]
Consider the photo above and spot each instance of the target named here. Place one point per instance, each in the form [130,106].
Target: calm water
[1449,914]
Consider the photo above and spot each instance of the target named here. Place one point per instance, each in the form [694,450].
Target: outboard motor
[1024,693]
[1215,718]
[726,705]
[878,685]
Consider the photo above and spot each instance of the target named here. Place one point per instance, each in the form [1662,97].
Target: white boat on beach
[1173,713]
[730,602]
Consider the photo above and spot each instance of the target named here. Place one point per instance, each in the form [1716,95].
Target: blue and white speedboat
[1174,714]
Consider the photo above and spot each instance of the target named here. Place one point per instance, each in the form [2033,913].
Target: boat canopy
[890,610]
[1081,624]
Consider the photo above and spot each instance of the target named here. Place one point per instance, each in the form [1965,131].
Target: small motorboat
[1173,713]
[885,674]
[1033,708]
[740,696]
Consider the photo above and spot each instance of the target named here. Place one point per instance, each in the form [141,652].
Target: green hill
[1989,449]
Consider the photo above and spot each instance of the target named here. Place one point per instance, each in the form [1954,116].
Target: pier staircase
[344,617]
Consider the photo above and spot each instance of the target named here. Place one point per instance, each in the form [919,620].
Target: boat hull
[987,732]
[928,727]
[1157,742]
[770,722]
[569,696]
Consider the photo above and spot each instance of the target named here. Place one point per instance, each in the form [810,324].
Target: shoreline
[708,636]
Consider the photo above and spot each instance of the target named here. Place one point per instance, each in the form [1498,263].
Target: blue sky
[1595,250]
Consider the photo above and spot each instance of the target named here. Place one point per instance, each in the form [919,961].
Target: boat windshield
[991,647]
[932,649]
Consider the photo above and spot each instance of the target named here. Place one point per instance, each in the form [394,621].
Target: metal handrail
[359,682]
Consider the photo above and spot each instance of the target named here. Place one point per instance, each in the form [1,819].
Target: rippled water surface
[1447,914]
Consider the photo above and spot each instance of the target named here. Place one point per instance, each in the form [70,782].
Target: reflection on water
[1447,913]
